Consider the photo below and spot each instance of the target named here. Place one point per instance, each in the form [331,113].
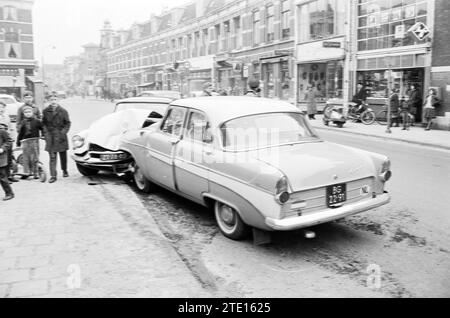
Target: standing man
[56,124]
[28,102]
[414,102]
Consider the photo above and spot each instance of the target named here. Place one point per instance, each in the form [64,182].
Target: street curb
[386,138]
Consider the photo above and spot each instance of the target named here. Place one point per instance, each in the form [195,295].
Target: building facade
[290,46]
[17,63]
[220,41]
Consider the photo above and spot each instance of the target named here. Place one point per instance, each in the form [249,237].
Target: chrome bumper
[112,166]
[327,215]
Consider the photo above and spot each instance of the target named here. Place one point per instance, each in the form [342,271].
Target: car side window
[173,124]
[197,127]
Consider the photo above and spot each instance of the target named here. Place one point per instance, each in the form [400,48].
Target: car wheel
[86,171]
[230,223]
[141,181]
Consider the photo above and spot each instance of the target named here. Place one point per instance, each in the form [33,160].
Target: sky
[61,27]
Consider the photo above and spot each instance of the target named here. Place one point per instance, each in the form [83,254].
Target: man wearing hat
[28,101]
[56,125]
[254,88]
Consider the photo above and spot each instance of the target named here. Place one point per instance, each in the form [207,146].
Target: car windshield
[265,130]
[156,107]
[7,100]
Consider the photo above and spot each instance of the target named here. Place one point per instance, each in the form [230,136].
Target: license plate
[336,194]
[111,157]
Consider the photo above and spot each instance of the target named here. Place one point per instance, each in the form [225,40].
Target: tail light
[282,195]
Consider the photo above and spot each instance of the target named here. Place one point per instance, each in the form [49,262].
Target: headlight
[386,173]
[282,195]
[77,142]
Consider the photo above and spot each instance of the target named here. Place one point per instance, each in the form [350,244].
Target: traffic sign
[420,31]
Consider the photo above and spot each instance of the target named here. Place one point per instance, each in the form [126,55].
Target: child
[5,145]
[5,120]
[29,133]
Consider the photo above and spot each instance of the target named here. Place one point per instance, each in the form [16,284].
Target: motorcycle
[365,115]
[335,112]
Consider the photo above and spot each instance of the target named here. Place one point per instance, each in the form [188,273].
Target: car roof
[148,99]
[223,108]
[6,95]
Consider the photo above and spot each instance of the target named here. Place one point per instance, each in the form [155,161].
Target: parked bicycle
[382,117]
[367,116]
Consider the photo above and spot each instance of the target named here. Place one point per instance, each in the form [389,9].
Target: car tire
[230,223]
[85,171]
[141,181]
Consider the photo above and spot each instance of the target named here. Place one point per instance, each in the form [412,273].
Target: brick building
[225,42]
[16,45]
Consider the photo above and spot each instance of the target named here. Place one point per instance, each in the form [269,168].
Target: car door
[191,171]
[161,146]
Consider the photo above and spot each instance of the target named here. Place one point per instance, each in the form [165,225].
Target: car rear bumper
[327,215]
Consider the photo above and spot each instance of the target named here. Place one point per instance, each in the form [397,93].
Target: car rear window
[156,107]
[265,130]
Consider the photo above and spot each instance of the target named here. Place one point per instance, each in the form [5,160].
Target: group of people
[404,110]
[53,123]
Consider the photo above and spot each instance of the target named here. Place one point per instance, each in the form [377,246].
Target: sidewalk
[72,239]
[416,135]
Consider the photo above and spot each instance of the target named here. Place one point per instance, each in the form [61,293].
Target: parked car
[97,148]
[12,106]
[258,162]
[166,94]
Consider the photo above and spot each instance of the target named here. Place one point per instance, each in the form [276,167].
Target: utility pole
[388,130]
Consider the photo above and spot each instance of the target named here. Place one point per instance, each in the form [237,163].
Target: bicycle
[18,162]
[382,116]
[367,117]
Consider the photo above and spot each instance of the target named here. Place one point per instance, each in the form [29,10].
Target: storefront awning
[34,79]
[9,81]
[147,84]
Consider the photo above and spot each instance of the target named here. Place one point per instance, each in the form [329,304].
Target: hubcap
[228,216]
[138,177]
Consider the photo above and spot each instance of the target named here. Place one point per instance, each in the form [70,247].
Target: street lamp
[14,79]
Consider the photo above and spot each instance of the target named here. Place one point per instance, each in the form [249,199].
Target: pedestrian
[6,121]
[56,125]
[311,102]
[254,90]
[394,102]
[360,98]
[431,102]
[5,146]
[28,102]
[414,102]
[28,138]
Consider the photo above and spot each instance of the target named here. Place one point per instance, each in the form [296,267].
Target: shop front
[325,78]
[277,77]
[405,70]
[230,77]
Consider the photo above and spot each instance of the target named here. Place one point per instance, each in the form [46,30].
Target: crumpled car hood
[108,130]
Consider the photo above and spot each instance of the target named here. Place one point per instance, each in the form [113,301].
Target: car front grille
[315,199]
[94,147]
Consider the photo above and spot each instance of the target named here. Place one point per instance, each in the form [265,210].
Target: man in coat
[311,102]
[414,101]
[5,146]
[56,125]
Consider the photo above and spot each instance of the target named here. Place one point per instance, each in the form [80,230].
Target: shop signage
[420,31]
[332,44]
[245,71]
[282,52]
[400,31]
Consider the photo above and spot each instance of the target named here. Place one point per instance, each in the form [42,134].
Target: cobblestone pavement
[71,239]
